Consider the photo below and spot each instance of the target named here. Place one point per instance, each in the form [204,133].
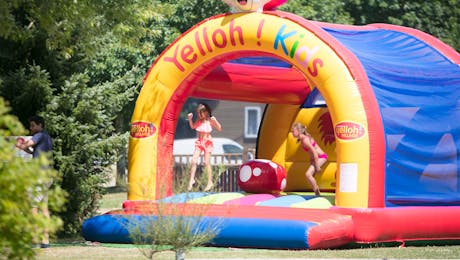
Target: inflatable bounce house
[382,100]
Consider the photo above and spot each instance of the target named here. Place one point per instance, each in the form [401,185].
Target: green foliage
[187,13]
[79,64]
[439,18]
[72,26]
[30,85]
[125,67]
[332,11]
[20,182]
[86,144]
[9,125]
[172,229]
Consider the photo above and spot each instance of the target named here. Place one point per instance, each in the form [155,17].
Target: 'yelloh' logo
[142,129]
[349,130]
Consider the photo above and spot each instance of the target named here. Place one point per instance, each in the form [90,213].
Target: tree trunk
[180,254]
[121,170]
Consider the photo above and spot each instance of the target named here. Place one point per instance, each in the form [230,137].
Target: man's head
[36,124]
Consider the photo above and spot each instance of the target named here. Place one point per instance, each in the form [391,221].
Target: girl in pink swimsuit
[204,125]
[317,155]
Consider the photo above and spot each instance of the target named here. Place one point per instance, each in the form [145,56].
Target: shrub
[20,181]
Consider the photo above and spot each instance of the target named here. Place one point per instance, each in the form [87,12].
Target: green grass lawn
[80,249]
[113,199]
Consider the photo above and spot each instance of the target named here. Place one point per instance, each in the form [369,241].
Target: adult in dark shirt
[39,143]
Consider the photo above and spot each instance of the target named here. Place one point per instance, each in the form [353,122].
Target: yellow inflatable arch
[324,64]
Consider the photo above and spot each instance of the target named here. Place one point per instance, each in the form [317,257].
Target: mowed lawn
[80,249]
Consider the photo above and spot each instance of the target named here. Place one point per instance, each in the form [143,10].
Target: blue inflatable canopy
[418,92]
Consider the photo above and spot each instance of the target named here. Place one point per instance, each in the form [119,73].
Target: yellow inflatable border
[222,36]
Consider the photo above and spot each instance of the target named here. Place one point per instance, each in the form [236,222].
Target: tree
[70,27]
[187,13]
[29,85]
[332,11]
[86,144]
[49,57]
[20,181]
[172,226]
[439,18]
